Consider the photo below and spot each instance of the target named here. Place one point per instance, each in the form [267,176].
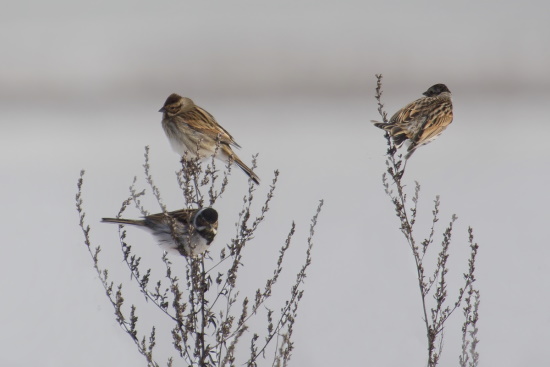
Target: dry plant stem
[117,301]
[470,356]
[133,264]
[290,311]
[393,165]
[150,181]
[203,287]
[211,174]
[244,234]
[239,241]
[208,325]
[434,316]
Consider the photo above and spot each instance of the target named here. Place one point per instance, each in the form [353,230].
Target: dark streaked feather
[124,221]
[202,121]
[246,169]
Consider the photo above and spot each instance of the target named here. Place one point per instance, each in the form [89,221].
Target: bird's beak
[162,110]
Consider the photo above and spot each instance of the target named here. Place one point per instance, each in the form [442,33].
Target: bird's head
[206,219]
[436,90]
[176,104]
[205,222]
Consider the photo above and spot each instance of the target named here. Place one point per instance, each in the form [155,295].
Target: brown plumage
[421,121]
[187,231]
[192,129]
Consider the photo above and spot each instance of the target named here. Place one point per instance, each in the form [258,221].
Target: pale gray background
[80,86]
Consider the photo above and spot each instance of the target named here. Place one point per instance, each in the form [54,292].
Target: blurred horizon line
[145,88]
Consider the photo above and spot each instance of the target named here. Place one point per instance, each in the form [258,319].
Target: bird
[193,131]
[188,232]
[421,121]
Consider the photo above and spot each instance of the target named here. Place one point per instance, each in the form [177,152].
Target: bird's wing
[200,120]
[414,111]
[438,119]
[183,216]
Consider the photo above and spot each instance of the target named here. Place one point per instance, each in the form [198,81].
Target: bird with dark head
[193,131]
[421,121]
[188,231]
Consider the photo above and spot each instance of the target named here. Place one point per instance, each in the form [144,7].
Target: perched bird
[192,129]
[421,121]
[187,231]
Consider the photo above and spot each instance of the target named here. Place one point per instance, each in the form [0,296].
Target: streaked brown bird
[188,231]
[421,121]
[192,129]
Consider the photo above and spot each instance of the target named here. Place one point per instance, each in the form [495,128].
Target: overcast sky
[80,87]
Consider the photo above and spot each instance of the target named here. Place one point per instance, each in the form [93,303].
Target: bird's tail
[398,135]
[380,125]
[246,170]
[123,221]
[411,150]
[228,154]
